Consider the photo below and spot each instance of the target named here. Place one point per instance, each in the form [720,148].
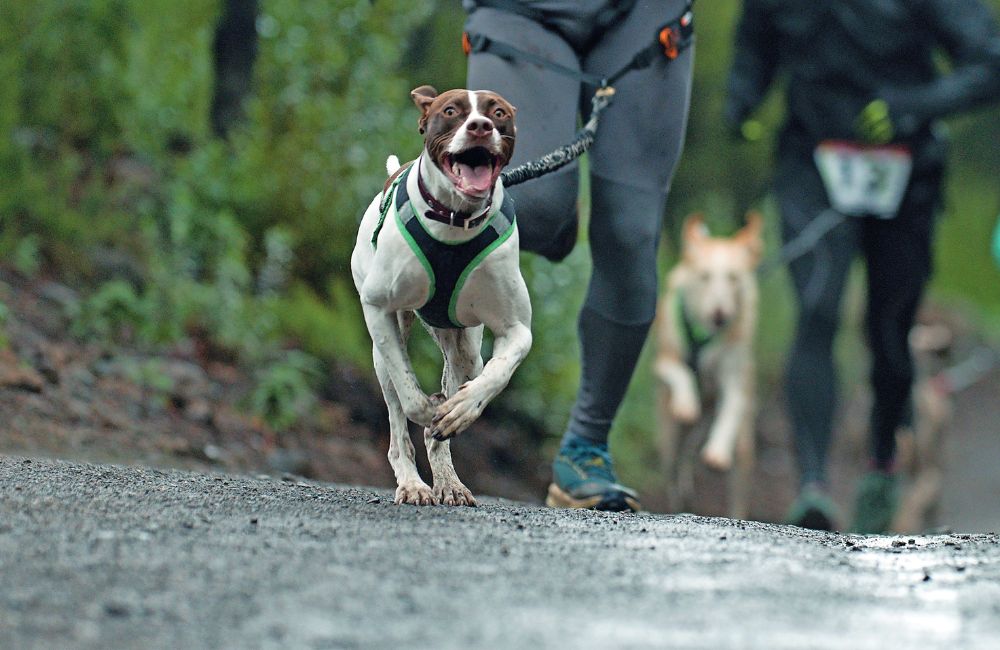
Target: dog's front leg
[388,343]
[463,361]
[685,404]
[410,488]
[461,409]
[734,412]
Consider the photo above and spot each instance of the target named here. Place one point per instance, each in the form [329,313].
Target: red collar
[440,212]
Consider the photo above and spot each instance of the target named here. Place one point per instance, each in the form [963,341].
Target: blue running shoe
[877,501]
[583,477]
[813,508]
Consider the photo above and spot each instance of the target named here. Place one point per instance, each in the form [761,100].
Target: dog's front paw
[458,413]
[418,494]
[717,456]
[685,410]
[422,409]
[453,493]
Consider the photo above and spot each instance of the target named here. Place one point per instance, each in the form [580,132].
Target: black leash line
[804,241]
[565,154]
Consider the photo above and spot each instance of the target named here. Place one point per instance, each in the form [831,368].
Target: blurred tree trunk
[234,51]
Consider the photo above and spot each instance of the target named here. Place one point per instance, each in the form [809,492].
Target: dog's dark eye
[499,113]
[450,111]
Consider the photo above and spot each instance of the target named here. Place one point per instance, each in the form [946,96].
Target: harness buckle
[668,39]
[675,35]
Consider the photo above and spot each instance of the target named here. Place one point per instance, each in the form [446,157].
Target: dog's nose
[719,318]
[479,128]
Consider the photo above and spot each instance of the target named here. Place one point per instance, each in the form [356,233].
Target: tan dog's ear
[694,233]
[423,97]
[750,235]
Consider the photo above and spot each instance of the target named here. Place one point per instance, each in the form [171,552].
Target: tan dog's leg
[741,477]
[681,408]
[920,502]
[462,362]
[410,487]
[668,444]
[685,404]
[733,412]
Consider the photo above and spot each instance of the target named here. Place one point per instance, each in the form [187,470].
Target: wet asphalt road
[96,556]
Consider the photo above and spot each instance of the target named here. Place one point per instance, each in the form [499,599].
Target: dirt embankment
[180,407]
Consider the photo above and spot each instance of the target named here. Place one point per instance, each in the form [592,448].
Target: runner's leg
[898,256]
[818,279]
[633,158]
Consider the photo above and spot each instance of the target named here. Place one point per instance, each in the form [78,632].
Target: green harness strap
[448,264]
[695,336]
[385,206]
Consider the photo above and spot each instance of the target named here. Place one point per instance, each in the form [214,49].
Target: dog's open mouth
[472,171]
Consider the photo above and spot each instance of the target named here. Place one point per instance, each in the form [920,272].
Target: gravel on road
[103,556]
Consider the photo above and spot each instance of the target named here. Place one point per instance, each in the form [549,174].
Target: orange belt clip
[466,43]
[671,37]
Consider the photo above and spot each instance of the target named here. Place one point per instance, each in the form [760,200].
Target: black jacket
[839,55]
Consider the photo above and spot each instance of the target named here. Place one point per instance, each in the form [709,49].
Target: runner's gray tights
[621,297]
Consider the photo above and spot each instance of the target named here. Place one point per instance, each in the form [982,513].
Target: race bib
[864,180]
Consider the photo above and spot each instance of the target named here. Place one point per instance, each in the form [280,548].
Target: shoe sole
[814,519]
[616,502]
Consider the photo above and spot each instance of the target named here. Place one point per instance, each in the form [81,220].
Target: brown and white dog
[454,193]
[704,328]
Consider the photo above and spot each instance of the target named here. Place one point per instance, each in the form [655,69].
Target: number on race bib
[862,180]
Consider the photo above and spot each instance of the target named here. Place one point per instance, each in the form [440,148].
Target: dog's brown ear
[694,232]
[751,235]
[423,97]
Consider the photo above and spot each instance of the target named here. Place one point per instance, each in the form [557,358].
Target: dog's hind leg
[741,477]
[462,362]
[410,487]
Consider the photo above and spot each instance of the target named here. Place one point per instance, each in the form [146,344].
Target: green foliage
[167,74]
[88,86]
[284,391]
[114,311]
[329,326]
[151,377]
[25,256]
[107,111]
[303,159]
[4,317]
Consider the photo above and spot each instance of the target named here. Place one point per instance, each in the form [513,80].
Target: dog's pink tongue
[476,178]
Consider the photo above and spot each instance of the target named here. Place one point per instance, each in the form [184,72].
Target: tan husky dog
[704,327]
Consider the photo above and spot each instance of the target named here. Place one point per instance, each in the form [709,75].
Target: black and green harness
[695,337]
[448,263]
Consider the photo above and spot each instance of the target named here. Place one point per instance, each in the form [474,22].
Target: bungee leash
[565,154]
[804,242]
